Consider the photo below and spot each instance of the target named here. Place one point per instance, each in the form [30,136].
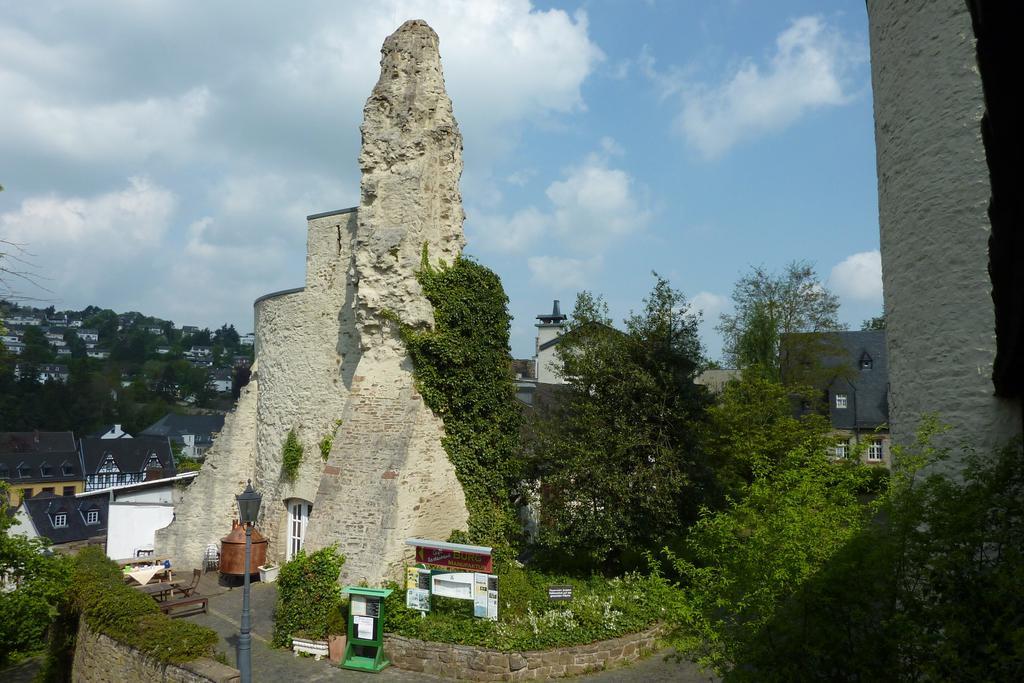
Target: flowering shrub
[601,608]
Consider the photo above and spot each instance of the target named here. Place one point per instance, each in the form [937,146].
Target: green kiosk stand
[365,648]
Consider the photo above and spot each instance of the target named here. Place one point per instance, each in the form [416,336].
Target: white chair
[211,559]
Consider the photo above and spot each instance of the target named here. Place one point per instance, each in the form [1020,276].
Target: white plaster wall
[132,526]
[933,195]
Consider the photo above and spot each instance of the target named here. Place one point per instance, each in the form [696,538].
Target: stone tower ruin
[329,366]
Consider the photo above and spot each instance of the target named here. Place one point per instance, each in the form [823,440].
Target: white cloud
[509,234]
[591,207]
[128,130]
[80,244]
[809,69]
[858,277]
[560,273]
[708,303]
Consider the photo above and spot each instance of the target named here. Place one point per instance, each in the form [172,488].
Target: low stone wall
[471,663]
[101,659]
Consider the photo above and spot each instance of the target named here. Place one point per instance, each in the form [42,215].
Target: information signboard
[559,592]
[365,648]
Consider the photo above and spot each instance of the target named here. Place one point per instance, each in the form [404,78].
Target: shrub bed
[601,608]
[307,595]
[115,609]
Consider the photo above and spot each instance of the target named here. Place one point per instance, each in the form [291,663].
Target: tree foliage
[617,455]
[800,579]
[32,584]
[769,305]
[752,427]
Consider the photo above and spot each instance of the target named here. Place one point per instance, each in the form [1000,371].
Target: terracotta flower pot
[336,647]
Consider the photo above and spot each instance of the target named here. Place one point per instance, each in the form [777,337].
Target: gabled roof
[46,456]
[130,455]
[174,427]
[867,389]
[37,442]
[43,509]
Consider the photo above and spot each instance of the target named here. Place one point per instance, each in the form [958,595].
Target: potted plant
[337,631]
[268,572]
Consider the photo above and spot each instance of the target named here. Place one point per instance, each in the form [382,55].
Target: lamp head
[248,504]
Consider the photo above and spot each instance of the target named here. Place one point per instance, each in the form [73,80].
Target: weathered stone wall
[300,349]
[101,659]
[388,477]
[933,195]
[464,662]
[204,511]
[326,352]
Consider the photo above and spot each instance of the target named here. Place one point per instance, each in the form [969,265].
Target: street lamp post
[248,509]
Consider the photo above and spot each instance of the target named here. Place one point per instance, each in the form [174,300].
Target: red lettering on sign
[454,558]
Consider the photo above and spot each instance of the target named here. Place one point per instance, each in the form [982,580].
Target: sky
[161,156]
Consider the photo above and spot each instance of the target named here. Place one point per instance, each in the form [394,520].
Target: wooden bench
[199,602]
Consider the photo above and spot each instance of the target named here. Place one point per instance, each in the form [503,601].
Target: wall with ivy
[461,367]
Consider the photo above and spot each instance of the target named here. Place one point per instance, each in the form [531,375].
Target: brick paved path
[273,665]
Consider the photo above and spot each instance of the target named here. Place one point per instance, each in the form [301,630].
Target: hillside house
[117,462]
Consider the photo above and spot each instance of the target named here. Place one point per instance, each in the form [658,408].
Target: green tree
[768,306]
[37,348]
[875,323]
[34,583]
[617,456]
[752,426]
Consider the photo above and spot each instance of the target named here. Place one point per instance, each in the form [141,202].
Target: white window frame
[298,521]
[60,520]
[841,401]
[875,451]
[92,517]
[842,449]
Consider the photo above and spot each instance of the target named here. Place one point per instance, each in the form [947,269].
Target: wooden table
[158,591]
[145,575]
[132,561]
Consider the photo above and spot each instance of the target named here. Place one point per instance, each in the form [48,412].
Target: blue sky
[162,156]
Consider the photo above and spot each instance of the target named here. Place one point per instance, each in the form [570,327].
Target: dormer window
[108,466]
[66,469]
[24,471]
[865,361]
[153,463]
[92,517]
[60,520]
[46,470]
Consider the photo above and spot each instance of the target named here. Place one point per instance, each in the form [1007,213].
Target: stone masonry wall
[302,341]
[205,509]
[388,477]
[933,195]
[464,662]
[100,659]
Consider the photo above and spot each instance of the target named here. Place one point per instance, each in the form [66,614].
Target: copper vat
[232,551]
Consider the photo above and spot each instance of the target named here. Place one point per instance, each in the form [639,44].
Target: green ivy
[109,606]
[307,595]
[462,371]
[325,446]
[291,456]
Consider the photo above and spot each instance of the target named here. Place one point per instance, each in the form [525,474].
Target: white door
[298,519]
